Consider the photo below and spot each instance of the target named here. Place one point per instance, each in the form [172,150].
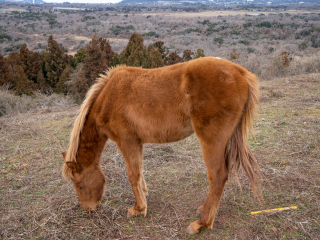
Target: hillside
[253,38]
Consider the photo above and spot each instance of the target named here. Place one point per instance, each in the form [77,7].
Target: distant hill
[153,1]
[24,1]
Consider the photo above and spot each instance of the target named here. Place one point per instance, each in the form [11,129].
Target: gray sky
[83,1]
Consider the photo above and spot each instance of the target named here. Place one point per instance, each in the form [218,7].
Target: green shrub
[315,41]
[199,54]
[246,25]
[218,40]
[250,50]
[303,46]
[266,24]
[4,36]
[85,18]
[149,34]
[118,29]
[204,22]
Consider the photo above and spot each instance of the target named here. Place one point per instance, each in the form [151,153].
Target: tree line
[54,70]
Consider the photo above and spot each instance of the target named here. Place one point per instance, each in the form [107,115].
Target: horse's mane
[91,96]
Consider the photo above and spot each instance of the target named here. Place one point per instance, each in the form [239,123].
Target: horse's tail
[91,96]
[238,152]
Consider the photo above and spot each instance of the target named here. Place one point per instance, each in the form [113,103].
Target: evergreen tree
[159,45]
[116,59]
[174,58]
[64,77]
[5,72]
[154,57]
[199,54]
[55,60]
[78,57]
[32,65]
[20,83]
[135,53]
[98,58]
[187,55]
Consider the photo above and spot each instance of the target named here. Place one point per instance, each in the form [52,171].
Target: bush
[303,46]
[204,22]
[250,50]
[199,53]
[187,55]
[4,36]
[85,18]
[118,29]
[315,41]
[218,40]
[234,54]
[266,24]
[149,34]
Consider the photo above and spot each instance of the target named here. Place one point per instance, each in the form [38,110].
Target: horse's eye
[81,186]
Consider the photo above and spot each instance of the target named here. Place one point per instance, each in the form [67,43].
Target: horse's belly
[162,128]
[165,134]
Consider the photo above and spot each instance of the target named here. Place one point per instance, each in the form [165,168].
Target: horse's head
[88,182]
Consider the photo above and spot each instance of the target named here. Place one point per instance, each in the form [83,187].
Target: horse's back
[157,105]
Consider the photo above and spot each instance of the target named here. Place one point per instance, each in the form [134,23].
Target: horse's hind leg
[132,153]
[213,136]
[144,186]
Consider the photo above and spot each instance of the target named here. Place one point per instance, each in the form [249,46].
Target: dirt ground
[35,203]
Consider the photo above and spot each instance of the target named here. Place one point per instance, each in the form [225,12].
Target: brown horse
[212,97]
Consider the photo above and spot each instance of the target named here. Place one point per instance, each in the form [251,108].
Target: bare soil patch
[35,203]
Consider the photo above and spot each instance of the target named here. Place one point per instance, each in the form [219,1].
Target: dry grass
[35,203]
[215,13]
[11,104]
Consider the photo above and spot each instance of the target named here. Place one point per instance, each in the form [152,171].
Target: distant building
[56,9]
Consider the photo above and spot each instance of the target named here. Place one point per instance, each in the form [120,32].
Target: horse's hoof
[129,215]
[133,213]
[190,230]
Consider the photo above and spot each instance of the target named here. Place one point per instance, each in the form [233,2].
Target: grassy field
[35,203]
[221,13]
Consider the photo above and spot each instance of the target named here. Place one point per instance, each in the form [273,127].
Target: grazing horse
[214,98]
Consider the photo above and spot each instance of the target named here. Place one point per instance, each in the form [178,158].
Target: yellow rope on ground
[274,210]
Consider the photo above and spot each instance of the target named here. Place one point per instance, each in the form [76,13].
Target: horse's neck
[91,144]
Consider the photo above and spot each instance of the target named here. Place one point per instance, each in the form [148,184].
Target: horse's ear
[64,154]
[73,166]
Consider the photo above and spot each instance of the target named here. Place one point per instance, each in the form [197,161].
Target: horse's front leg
[132,152]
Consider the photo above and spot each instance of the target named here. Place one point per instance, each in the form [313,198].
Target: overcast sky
[83,1]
